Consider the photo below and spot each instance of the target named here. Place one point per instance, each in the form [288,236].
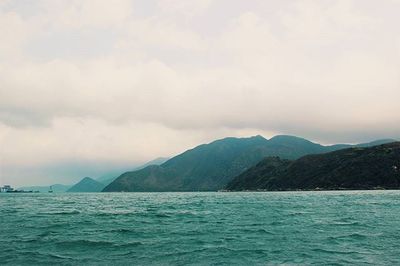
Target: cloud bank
[126,82]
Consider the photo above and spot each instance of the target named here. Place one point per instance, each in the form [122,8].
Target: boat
[51,189]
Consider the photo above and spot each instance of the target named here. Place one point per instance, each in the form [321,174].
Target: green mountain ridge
[359,167]
[210,167]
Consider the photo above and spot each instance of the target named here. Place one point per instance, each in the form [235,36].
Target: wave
[84,243]
[132,229]
[342,252]
[61,213]
[352,236]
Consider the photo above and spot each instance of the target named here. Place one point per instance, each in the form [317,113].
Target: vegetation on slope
[353,168]
[210,167]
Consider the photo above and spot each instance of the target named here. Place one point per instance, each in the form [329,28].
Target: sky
[89,86]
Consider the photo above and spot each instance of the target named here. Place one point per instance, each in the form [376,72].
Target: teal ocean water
[352,227]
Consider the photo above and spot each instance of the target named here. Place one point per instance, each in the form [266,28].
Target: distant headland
[256,164]
[215,166]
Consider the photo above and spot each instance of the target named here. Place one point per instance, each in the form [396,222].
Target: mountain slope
[205,167]
[353,168]
[210,167]
[110,177]
[87,184]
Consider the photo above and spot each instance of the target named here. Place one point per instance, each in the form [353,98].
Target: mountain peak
[228,140]
[280,139]
[87,184]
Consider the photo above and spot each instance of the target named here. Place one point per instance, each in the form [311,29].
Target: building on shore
[6,188]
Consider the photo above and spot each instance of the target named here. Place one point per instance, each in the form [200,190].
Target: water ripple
[335,228]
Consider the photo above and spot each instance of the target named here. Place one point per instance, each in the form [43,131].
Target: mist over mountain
[111,176]
[212,166]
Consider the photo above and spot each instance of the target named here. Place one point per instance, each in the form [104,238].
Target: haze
[92,86]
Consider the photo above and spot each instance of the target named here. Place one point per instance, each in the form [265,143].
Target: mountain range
[210,167]
[352,168]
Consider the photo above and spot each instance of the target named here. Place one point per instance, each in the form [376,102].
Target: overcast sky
[88,85]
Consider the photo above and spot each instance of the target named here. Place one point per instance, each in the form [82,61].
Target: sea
[201,228]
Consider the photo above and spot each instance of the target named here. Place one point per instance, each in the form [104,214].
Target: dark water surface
[359,227]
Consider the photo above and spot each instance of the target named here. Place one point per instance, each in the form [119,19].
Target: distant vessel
[51,189]
[9,189]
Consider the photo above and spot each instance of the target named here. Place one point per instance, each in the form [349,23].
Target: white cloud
[188,8]
[14,33]
[160,34]
[85,13]
[325,21]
